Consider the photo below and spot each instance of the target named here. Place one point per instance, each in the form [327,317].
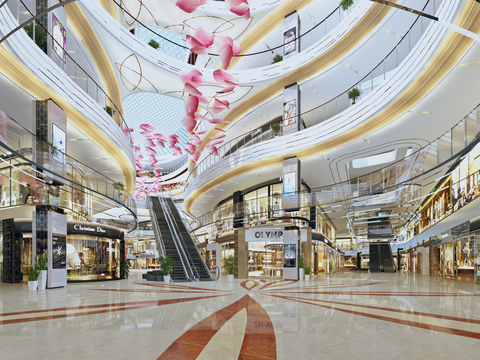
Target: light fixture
[468,64]
[325,157]
[72,51]
[311,87]
[393,33]
[351,68]
[368,142]
[419,112]
[262,114]
[78,139]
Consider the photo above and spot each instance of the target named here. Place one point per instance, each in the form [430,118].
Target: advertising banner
[291,184]
[291,32]
[291,109]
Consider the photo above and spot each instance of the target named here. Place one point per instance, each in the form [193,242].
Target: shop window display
[92,258]
[465,258]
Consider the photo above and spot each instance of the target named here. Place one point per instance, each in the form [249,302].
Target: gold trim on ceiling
[444,60]
[17,73]
[110,7]
[369,21]
[84,30]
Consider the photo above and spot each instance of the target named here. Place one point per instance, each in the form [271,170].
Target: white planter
[307,277]
[300,273]
[230,277]
[166,278]
[42,280]
[32,285]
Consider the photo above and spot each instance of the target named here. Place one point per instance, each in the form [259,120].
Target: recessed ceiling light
[262,114]
[369,142]
[351,68]
[325,157]
[25,12]
[420,112]
[393,33]
[468,64]
[72,51]
[105,158]
[311,87]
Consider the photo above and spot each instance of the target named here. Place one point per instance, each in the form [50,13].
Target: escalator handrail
[155,225]
[197,244]
[187,263]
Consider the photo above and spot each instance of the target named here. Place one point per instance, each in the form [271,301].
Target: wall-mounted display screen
[290,183]
[289,255]
[59,142]
[290,45]
[59,39]
[289,112]
[59,251]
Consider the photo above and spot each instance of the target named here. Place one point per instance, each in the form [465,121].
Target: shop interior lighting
[368,222]
[21,172]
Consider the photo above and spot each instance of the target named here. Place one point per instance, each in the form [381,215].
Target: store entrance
[265,259]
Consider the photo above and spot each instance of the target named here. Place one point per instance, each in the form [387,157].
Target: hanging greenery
[154,44]
[345,4]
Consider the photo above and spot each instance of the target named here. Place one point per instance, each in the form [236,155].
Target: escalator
[166,242]
[172,237]
[381,258]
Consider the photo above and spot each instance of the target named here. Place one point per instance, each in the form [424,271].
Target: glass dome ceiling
[162,112]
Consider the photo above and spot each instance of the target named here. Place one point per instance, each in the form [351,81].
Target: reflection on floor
[339,316]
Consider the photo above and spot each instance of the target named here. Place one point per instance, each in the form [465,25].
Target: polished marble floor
[340,316]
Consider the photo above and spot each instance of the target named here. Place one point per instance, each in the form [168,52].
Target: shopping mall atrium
[239,179]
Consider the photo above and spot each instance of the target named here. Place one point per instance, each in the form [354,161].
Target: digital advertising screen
[290,45]
[289,112]
[59,37]
[290,183]
[59,142]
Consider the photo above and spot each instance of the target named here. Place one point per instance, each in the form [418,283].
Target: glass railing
[327,110]
[76,72]
[50,166]
[401,182]
[264,57]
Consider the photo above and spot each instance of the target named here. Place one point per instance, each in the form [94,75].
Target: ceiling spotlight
[325,157]
[367,141]
[420,112]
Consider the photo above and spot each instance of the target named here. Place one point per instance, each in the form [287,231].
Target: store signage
[79,227]
[272,234]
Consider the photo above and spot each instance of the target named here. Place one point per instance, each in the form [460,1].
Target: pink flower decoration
[224,78]
[147,127]
[151,151]
[239,7]
[189,123]
[212,149]
[227,49]
[197,142]
[149,142]
[215,121]
[218,137]
[221,130]
[195,157]
[220,105]
[190,6]
[194,77]
[191,106]
[200,41]
[217,142]
[161,143]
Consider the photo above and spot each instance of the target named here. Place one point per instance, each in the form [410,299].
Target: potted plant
[154,44]
[277,58]
[300,268]
[124,269]
[109,110]
[276,128]
[345,4]
[166,264]
[229,264]
[119,186]
[353,95]
[307,273]
[41,264]
[33,278]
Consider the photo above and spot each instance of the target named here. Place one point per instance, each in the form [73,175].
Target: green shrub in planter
[154,44]
[276,128]
[353,95]
[229,264]
[345,4]
[166,264]
[277,58]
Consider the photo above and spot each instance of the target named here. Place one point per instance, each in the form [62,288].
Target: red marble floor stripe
[276,282]
[323,286]
[443,329]
[179,287]
[437,316]
[108,308]
[379,293]
[150,291]
[244,284]
[258,343]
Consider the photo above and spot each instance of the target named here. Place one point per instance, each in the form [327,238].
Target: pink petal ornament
[227,49]
[151,151]
[189,123]
[191,106]
[221,130]
[200,41]
[190,6]
[215,121]
[220,105]
[197,142]
[194,77]
[147,127]
[239,7]
[218,137]
[195,157]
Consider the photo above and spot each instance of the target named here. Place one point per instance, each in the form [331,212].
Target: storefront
[142,254]
[94,251]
